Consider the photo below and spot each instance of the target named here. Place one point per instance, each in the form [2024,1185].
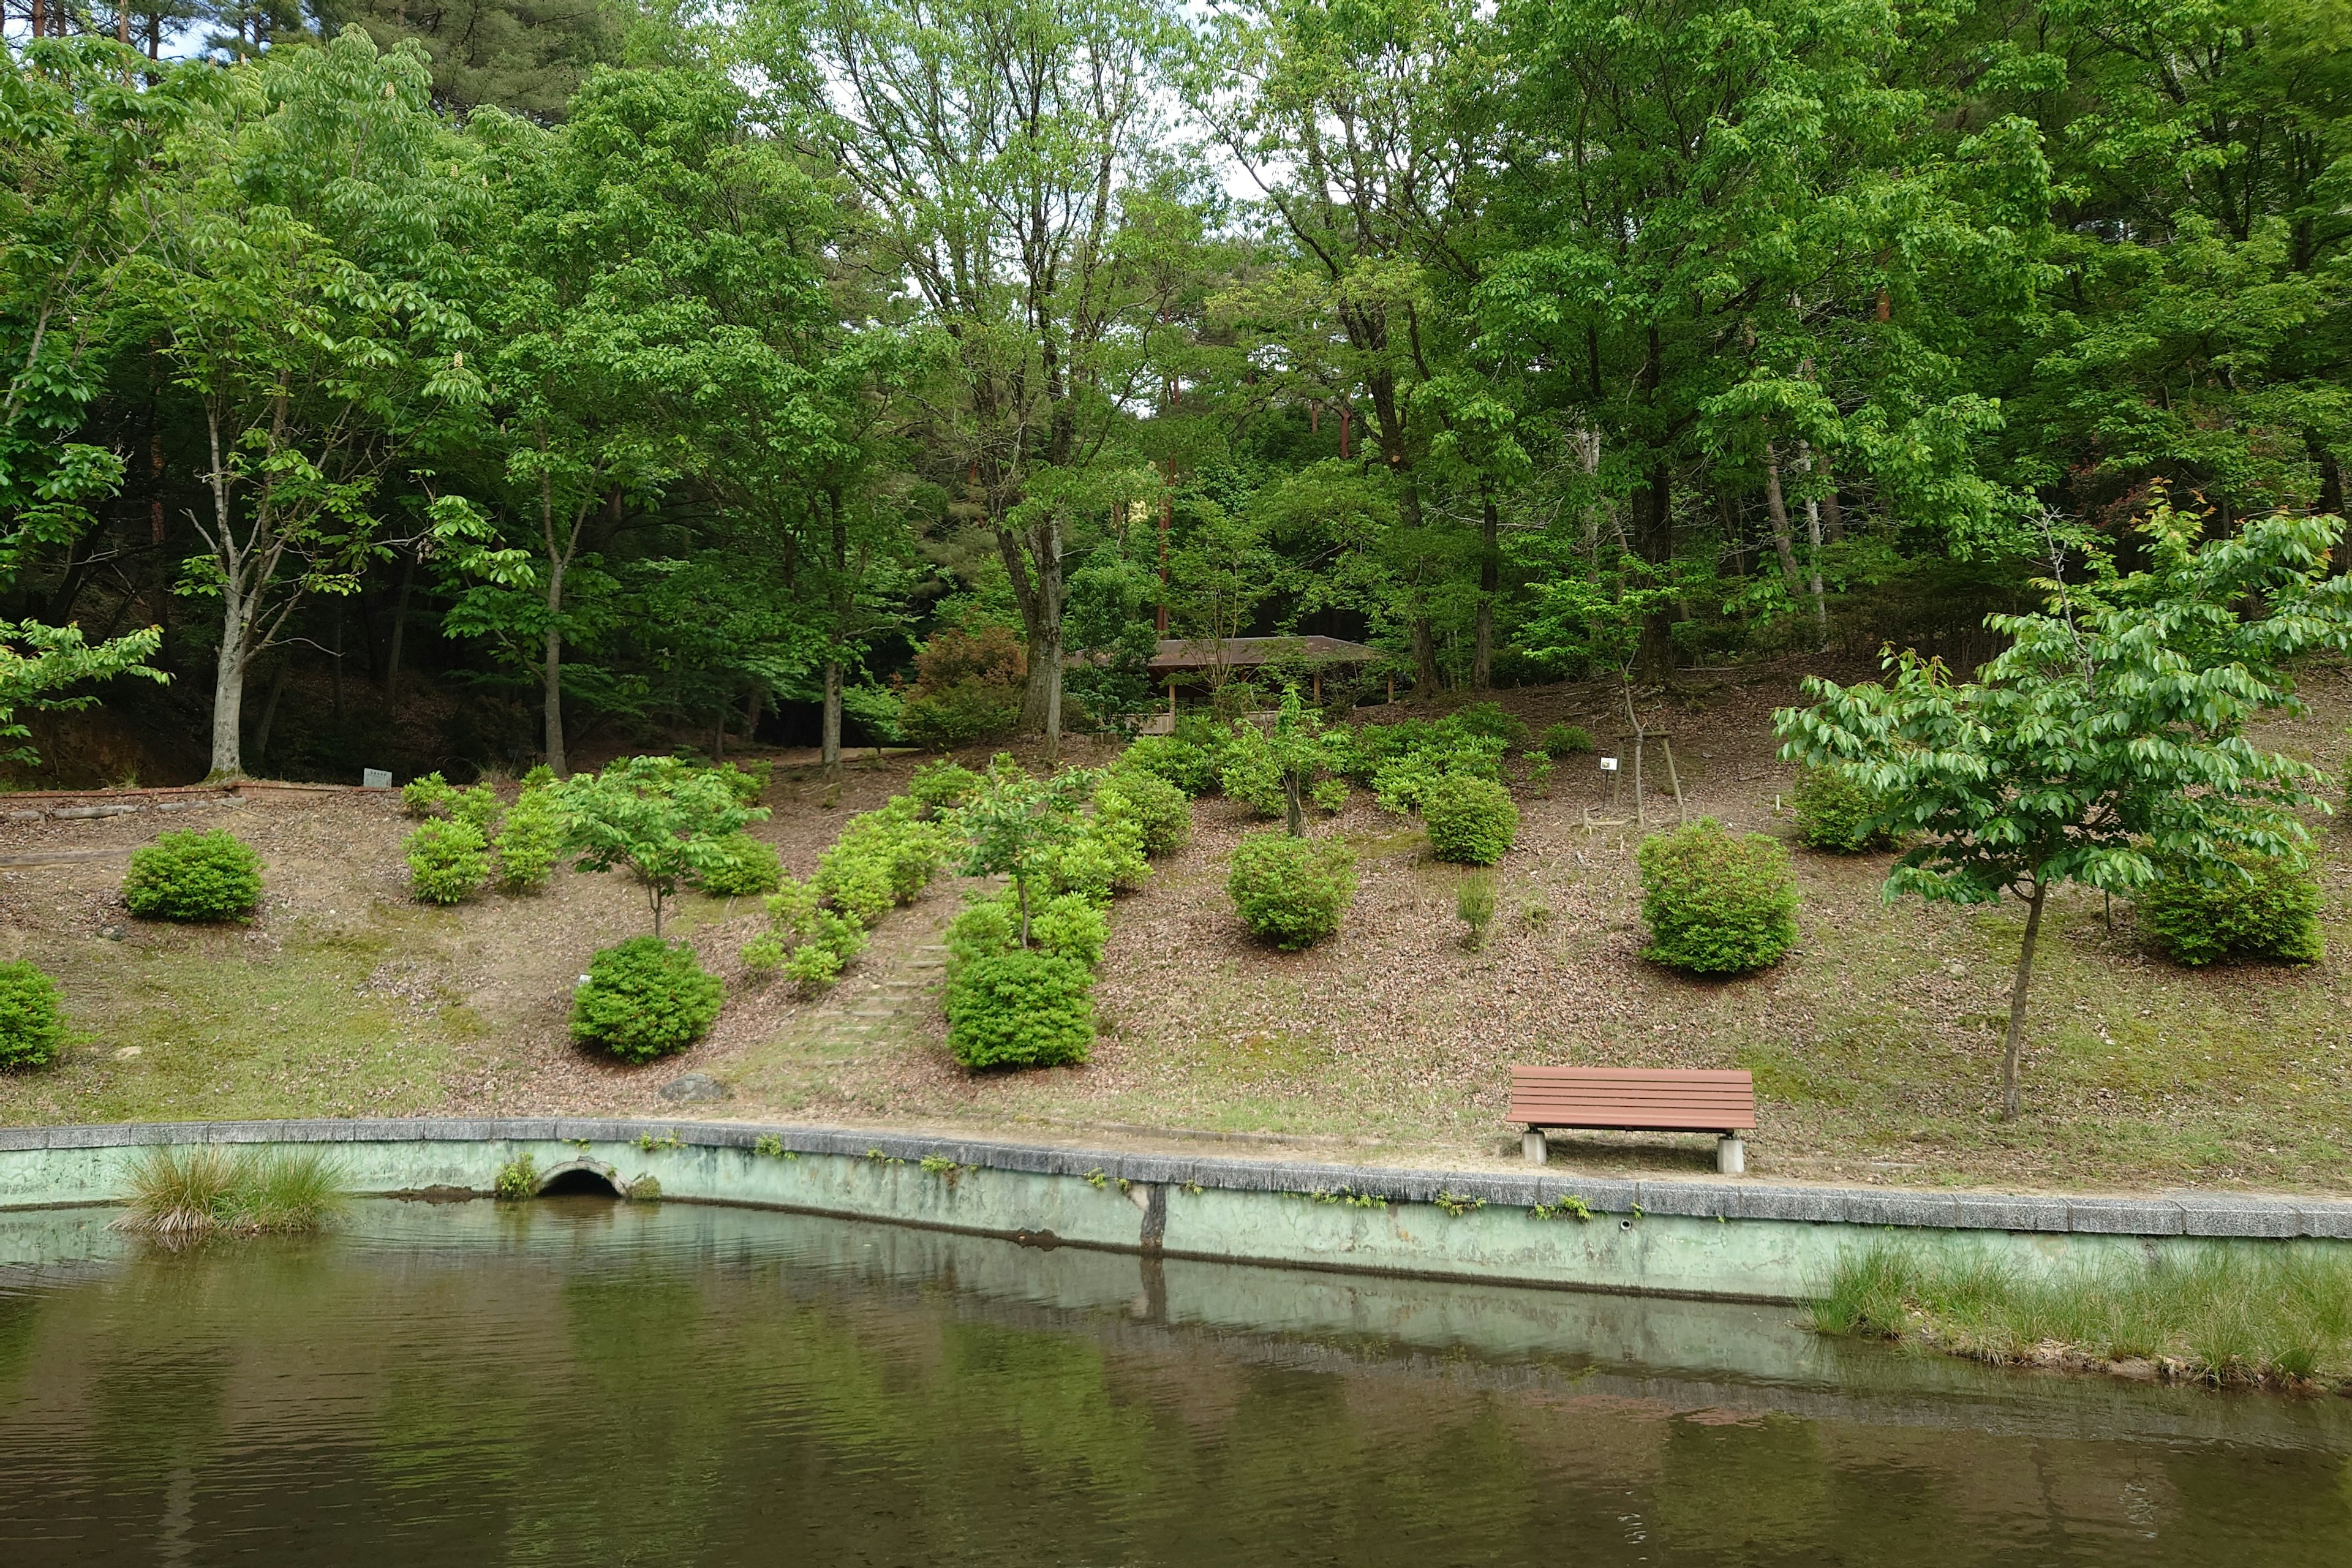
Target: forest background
[467,384]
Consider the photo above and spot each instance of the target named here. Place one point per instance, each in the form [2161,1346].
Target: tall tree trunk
[551,672]
[2010,1104]
[1049,586]
[1813,547]
[829,733]
[1833,513]
[1777,506]
[1654,523]
[1490,578]
[228,693]
[399,630]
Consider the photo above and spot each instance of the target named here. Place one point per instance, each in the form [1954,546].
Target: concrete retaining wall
[1729,1240]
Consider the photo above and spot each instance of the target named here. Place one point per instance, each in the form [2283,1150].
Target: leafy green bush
[1472,821]
[431,795]
[448,859]
[883,857]
[528,841]
[1329,794]
[540,777]
[746,782]
[1488,720]
[1717,903]
[1291,892]
[1402,782]
[1837,813]
[1104,859]
[811,945]
[1070,926]
[476,807]
[1563,741]
[746,866]
[644,998]
[32,1030]
[942,786]
[813,966]
[959,714]
[1250,773]
[193,877]
[2249,907]
[1190,762]
[1023,1008]
[1160,812]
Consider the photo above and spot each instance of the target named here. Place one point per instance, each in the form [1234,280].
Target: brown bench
[1636,1099]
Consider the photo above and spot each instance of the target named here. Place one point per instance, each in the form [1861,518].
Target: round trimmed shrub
[193,878]
[644,998]
[32,1031]
[959,714]
[1026,1008]
[2251,906]
[1472,821]
[1836,812]
[1291,892]
[1717,903]
[1161,811]
[749,867]
[1188,763]
[448,859]
[942,785]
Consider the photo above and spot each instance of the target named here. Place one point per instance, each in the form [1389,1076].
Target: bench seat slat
[1656,1099]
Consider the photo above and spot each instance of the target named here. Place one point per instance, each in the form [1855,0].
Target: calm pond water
[578,1382]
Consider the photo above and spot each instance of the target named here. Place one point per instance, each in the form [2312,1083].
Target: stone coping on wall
[2193,1213]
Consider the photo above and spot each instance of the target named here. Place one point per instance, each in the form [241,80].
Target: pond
[580,1381]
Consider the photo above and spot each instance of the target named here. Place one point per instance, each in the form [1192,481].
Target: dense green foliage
[644,998]
[1472,821]
[1717,902]
[1563,741]
[1837,812]
[746,866]
[1292,892]
[185,1194]
[193,878]
[1020,1008]
[32,1030]
[2246,906]
[449,861]
[666,820]
[529,840]
[1160,812]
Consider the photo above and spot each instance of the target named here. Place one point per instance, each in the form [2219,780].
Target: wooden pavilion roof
[1177,655]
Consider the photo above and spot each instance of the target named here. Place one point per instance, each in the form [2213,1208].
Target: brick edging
[2206,1214]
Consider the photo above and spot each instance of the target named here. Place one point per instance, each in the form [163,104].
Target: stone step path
[890,992]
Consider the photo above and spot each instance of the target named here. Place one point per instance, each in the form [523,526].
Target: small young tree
[2111,732]
[664,819]
[1012,819]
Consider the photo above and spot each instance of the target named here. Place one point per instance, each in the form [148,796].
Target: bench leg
[1730,1155]
[1531,1144]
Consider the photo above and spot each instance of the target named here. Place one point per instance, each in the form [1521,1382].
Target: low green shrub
[747,781]
[1490,722]
[1022,1008]
[1161,813]
[1070,926]
[942,786]
[1472,821]
[812,967]
[644,998]
[1190,761]
[1564,741]
[2253,906]
[529,841]
[540,777]
[449,861]
[883,857]
[431,795]
[1400,782]
[1291,892]
[959,714]
[1473,905]
[748,867]
[517,1179]
[1250,774]
[1100,861]
[193,878]
[32,1030]
[811,945]
[1329,795]
[1716,903]
[478,807]
[1838,813]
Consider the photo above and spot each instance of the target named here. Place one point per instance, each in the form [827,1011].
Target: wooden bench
[1636,1099]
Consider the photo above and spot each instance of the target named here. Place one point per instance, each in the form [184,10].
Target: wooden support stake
[1674,778]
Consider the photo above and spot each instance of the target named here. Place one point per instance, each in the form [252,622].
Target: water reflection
[584,1383]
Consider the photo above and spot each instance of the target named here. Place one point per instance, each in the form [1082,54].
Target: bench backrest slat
[1650,1100]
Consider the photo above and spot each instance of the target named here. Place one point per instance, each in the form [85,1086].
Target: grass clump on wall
[190,1194]
[2260,1313]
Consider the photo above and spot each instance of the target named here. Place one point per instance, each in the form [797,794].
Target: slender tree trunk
[1049,584]
[399,630]
[1482,656]
[1654,521]
[1291,789]
[1833,513]
[829,733]
[2010,1102]
[1813,546]
[1427,681]
[228,695]
[1777,506]
[552,681]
